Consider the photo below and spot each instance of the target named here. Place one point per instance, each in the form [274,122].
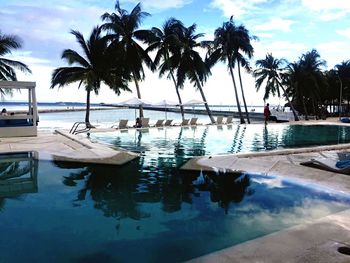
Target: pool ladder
[74,129]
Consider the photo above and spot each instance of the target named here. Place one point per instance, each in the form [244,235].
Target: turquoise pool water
[207,140]
[145,211]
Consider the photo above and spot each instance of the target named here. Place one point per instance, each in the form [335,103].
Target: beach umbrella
[165,104]
[193,103]
[134,102]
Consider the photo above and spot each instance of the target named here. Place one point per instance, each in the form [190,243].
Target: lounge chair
[168,122]
[193,121]
[121,125]
[184,122]
[159,123]
[219,120]
[229,119]
[145,122]
[327,164]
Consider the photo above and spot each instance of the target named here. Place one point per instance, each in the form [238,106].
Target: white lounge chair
[219,120]
[121,125]
[145,122]
[193,121]
[159,123]
[168,122]
[229,120]
[327,164]
[184,122]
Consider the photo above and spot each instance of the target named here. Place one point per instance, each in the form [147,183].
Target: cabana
[20,124]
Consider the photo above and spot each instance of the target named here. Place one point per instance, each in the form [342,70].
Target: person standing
[267,112]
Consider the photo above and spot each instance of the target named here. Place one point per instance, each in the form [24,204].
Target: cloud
[161,4]
[329,10]
[279,49]
[275,24]
[333,52]
[344,32]
[236,8]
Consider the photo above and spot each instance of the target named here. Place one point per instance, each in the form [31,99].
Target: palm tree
[189,64]
[306,75]
[225,47]
[269,70]
[123,27]
[7,66]
[97,64]
[166,41]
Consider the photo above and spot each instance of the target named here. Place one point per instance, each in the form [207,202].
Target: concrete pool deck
[62,146]
[314,241]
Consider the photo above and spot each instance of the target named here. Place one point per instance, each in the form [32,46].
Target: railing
[74,129]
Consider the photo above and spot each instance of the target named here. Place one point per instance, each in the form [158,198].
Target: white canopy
[193,102]
[166,103]
[134,102]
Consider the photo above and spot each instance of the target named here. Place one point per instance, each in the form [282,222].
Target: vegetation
[97,64]
[123,29]
[229,43]
[118,51]
[8,66]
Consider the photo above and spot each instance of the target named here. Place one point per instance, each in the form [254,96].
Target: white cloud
[161,4]
[333,52]
[236,8]
[329,10]
[275,24]
[280,49]
[344,32]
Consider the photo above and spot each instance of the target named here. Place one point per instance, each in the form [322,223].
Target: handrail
[74,129]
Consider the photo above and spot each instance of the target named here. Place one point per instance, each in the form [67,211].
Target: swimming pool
[207,140]
[144,211]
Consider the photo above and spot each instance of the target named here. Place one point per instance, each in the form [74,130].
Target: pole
[340,95]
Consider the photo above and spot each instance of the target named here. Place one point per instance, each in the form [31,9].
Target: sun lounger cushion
[343,163]
[345,120]
[327,164]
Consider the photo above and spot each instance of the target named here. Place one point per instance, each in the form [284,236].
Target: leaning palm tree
[94,66]
[190,65]
[269,70]
[123,28]
[225,47]
[8,66]
[166,41]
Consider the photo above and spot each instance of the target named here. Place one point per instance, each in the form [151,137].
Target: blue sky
[286,28]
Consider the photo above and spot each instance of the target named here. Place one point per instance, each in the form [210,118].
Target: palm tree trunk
[296,118]
[138,94]
[205,102]
[87,113]
[237,100]
[245,104]
[178,96]
[305,110]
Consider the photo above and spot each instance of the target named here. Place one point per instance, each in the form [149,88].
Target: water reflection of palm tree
[228,189]
[238,139]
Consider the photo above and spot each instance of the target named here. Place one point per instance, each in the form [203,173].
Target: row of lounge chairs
[123,124]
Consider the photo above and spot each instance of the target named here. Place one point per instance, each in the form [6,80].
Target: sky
[285,28]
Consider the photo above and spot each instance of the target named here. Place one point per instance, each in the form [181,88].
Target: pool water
[207,140]
[144,211]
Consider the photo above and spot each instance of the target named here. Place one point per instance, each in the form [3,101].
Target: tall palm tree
[269,70]
[8,66]
[96,65]
[123,27]
[166,41]
[306,75]
[189,64]
[225,47]
[243,47]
